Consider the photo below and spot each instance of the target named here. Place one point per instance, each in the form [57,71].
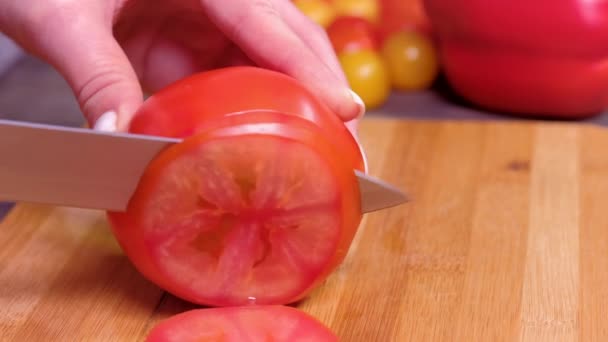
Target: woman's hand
[105,48]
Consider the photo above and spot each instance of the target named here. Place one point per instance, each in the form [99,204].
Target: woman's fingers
[271,33]
[100,75]
[259,29]
[313,35]
[76,39]
[320,44]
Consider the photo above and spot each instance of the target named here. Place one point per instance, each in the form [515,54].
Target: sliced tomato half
[348,154]
[177,110]
[248,323]
[256,207]
[259,203]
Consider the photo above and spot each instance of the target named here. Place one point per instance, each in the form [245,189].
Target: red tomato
[178,109]
[399,15]
[528,58]
[259,203]
[349,34]
[247,323]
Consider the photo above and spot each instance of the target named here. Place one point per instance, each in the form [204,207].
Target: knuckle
[103,80]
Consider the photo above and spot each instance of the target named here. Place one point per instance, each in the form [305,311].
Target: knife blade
[81,167]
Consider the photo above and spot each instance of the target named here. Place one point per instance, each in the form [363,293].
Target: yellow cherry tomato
[411,59]
[367,75]
[320,11]
[367,9]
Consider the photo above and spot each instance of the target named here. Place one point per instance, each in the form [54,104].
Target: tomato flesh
[248,323]
[245,211]
[258,203]
[271,221]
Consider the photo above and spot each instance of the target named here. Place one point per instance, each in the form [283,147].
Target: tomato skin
[399,15]
[367,75]
[190,109]
[181,106]
[411,59]
[248,323]
[529,58]
[350,34]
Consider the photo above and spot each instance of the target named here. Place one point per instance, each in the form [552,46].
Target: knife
[81,167]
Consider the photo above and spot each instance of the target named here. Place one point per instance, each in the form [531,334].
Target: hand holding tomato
[105,48]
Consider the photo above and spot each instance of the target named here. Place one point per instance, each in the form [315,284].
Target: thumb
[97,70]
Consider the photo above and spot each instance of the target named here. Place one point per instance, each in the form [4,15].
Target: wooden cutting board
[506,239]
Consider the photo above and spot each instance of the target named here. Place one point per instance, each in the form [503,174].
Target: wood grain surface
[506,239]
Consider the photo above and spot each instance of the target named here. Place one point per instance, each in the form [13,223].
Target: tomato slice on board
[248,323]
[256,207]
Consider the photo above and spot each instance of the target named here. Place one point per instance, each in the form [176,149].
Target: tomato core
[232,216]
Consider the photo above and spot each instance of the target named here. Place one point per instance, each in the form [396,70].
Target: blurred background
[30,90]
[396,55]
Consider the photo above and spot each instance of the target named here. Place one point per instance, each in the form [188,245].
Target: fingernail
[359,102]
[365,164]
[106,122]
[352,128]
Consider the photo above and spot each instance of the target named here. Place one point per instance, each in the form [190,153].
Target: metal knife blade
[83,168]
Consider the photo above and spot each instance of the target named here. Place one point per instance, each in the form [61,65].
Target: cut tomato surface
[255,207]
[243,324]
[258,204]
